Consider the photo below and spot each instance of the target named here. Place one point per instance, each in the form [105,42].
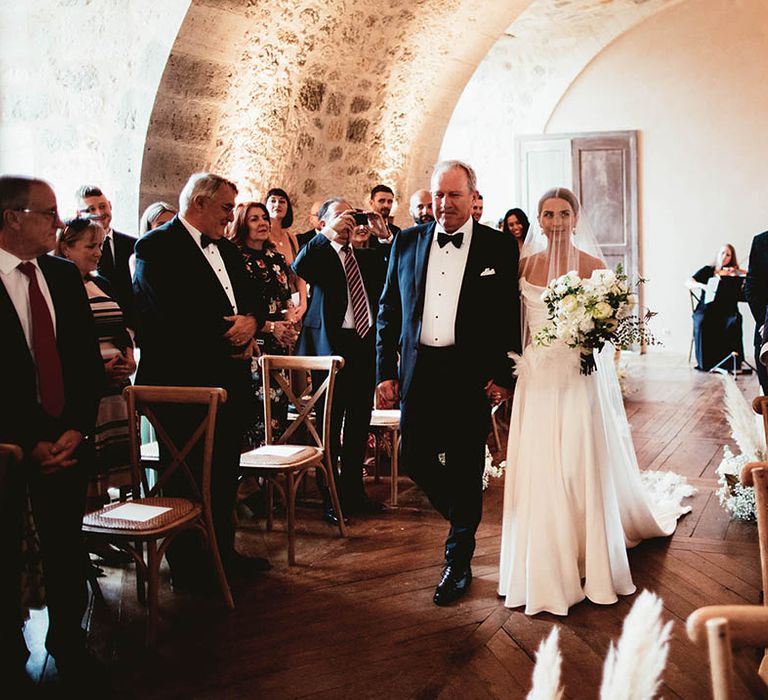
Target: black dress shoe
[238,564]
[329,515]
[454,583]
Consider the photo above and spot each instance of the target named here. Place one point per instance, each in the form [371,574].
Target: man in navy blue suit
[756,292]
[51,375]
[198,314]
[331,327]
[451,311]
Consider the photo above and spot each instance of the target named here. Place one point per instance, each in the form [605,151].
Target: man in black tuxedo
[451,309]
[340,321]
[115,251]
[198,316]
[52,375]
[756,292]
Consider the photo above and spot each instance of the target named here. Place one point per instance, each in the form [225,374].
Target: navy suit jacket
[181,307]
[319,264]
[22,419]
[487,317]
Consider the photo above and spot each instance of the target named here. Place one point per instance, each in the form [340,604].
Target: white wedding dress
[574,497]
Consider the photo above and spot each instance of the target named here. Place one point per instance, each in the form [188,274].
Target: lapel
[11,324]
[420,265]
[471,272]
[191,260]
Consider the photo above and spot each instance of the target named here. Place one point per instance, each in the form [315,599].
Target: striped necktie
[356,292]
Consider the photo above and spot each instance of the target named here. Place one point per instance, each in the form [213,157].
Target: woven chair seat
[277,456]
[385,418]
[180,510]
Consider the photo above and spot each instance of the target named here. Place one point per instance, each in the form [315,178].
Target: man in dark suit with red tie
[450,314]
[116,250]
[346,284]
[51,377]
[198,314]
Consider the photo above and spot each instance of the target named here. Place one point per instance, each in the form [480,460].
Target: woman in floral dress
[271,276]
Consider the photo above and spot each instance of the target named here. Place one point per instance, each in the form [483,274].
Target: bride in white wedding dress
[574,497]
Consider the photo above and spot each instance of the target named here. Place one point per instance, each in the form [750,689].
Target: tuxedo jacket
[303,238]
[487,316]
[181,306]
[120,278]
[756,284]
[319,264]
[22,419]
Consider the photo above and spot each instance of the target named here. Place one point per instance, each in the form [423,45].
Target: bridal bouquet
[588,313]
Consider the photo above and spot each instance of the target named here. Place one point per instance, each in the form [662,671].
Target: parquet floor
[354,618]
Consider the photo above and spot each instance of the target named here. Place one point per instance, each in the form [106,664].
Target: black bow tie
[444,238]
[205,241]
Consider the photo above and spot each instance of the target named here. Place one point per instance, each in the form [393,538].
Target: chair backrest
[724,628]
[144,401]
[755,474]
[274,373]
[695,299]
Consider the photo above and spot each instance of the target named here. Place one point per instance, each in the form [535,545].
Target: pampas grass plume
[634,666]
[746,426]
[546,673]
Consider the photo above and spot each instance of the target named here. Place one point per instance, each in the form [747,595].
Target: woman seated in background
[281,216]
[516,223]
[271,275]
[80,241]
[156,214]
[717,328]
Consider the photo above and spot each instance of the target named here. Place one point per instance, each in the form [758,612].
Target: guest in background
[717,327]
[314,225]
[516,222]
[156,214]
[271,275]
[756,293]
[118,247]
[420,207]
[81,242]
[477,207]
[281,217]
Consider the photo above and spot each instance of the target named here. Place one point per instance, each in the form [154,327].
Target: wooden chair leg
[290,504]
[141,583]
[394,474]
[376,455]
[270,504]
[331,483]
[218,565]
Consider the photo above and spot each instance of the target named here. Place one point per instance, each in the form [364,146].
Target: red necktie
[50,379]
[357,292]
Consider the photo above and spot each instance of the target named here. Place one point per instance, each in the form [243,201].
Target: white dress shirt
[110,241]
[17,285]
[213,256]
[349,317]
[445,273]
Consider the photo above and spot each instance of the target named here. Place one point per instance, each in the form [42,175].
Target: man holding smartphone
[346,285]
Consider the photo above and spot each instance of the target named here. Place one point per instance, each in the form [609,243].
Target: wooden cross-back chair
[283,462]
[179,514]
[385,421]
[724,628]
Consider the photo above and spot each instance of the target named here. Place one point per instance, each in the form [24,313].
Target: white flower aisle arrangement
[747,432]
[588,313]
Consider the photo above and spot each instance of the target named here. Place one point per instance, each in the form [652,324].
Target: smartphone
[361,218]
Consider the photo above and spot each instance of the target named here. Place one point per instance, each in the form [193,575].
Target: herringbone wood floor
[354,618]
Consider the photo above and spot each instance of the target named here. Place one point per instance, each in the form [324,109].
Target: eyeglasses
[53,213]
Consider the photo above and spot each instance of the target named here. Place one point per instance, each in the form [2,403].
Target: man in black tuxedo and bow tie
[51,375]
[451,309]
[346,284]
[198,315]
[756,292]
[116,249]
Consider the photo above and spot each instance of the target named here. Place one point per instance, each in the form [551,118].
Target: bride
[574,497]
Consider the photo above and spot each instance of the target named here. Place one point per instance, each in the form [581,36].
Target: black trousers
[351,410]
[762,372]
[445,421]
[58,505]
[185,554]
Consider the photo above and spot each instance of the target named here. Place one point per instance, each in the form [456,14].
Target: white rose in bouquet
[569,304]
[602,310]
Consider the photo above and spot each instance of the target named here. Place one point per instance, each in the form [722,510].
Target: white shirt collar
[192,230]
[465,228]
[9,262]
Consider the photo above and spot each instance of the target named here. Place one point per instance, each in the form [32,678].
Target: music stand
[733,357]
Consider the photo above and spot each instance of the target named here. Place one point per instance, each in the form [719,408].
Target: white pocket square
[487,271]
